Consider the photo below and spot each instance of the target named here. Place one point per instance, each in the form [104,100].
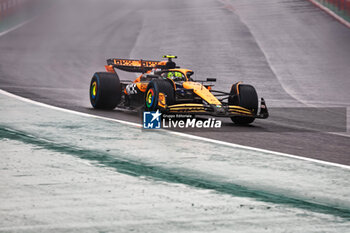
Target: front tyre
[152,94]
[245,96]
[105,90]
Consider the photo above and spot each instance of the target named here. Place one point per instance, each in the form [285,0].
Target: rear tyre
[105,90]
[152,94]
[245,96]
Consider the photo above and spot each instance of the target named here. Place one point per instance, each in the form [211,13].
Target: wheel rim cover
[149,98]
[93,90]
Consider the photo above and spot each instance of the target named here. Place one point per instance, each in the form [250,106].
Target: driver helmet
[175,75]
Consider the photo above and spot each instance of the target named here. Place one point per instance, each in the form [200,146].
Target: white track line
[15,27]
[177,133]
[330,12]
[66,110]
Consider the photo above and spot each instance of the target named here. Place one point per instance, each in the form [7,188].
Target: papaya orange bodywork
[202,91]
[142,86]
[110,69]
[161,100]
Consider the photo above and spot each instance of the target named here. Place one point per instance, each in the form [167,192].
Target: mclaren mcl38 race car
[170,89]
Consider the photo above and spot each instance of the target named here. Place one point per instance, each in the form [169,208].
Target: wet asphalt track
[292,52]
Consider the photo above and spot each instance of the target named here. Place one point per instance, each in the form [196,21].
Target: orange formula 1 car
[170,89]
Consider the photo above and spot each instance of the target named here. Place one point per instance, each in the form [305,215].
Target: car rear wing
[137,66]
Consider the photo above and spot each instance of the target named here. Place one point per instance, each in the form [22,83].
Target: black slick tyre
[152,94]
[105,90]
[244,95]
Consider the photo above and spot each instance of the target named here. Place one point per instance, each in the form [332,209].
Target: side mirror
[211,79]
